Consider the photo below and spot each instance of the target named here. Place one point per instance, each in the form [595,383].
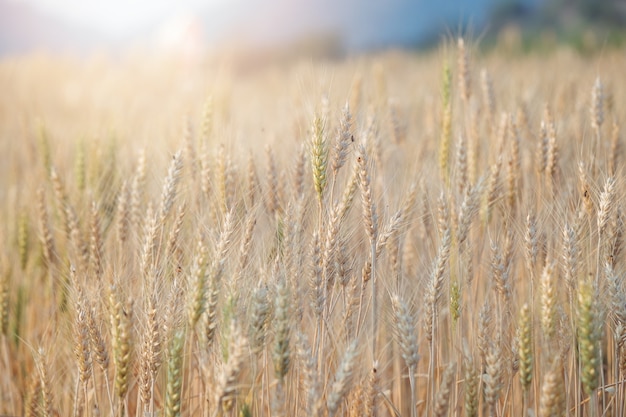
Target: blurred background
[332,28]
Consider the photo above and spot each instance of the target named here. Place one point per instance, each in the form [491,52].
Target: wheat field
[396,234]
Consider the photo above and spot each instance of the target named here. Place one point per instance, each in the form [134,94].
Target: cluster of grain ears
[385,241]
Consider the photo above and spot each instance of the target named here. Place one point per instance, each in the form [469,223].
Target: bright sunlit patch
[182,34]
[120,18]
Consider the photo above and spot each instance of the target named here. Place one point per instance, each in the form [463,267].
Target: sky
[343,26]
[121,18]
[356,24]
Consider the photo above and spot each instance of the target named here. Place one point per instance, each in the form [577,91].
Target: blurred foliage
[588,26]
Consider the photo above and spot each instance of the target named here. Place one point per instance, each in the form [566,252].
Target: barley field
[396,234]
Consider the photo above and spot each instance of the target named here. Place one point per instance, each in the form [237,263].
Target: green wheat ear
[4,304]
[228,318]
[44,147]
[319,156]
[79,165]
[446,123]
[245,410]
[281,351]
[22,238]
[174,375]
[18,312]
[455,301]
[589,334]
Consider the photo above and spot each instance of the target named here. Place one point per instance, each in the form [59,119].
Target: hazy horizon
[344,26]
[354,24]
